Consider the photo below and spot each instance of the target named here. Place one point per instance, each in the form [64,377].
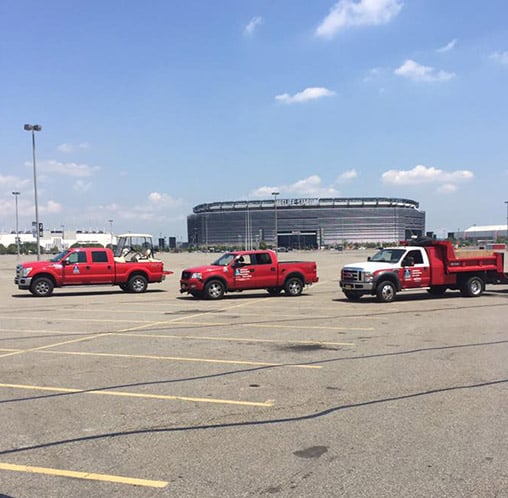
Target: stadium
[304,223]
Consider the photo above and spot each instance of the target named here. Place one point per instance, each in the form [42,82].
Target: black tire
[196,294]
[386,292]
[137,284]
[353,295]
[124,287]
[42,287]
[293,286]
[473,287]
[214,289]
[274,291]
[437,290]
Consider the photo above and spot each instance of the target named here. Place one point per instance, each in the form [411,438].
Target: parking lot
[106,393]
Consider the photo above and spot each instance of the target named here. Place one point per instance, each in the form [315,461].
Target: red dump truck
[131,266]
[247,270]
[431,265]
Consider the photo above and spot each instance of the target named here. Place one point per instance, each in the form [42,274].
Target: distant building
[305,223]
[485,233]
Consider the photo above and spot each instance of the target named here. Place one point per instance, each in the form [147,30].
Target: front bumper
[192,285]
[23,282]
[357,286]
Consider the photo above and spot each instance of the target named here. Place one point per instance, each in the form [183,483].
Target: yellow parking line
[83,475]
[178,358]
[67,390]
[236,339]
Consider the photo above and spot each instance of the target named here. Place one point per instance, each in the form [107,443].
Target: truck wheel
[385,292]
[274,291]
[214,289]
[137,283]
[293,286]
[353,295]
[473,287]
[124,287]
[42,287]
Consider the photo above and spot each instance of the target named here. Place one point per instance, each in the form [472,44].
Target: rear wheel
[214,289]
[42,287]
[293,286]
[386,292]
[473,287]
[353,295]
[137,283]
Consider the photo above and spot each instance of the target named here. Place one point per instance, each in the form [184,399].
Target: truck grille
[351,275]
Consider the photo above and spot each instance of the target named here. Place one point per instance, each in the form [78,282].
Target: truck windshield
[388,255]
[59,256]
[224,260]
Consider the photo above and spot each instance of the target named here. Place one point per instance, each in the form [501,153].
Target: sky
[150,108]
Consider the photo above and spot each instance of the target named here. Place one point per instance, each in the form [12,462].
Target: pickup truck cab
[131,270]
[433,265]
[246,270]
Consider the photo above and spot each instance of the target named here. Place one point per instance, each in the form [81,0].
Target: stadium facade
[304,223]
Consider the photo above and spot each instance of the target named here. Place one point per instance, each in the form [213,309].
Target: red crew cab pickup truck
[245,270]
[433,266]
[89,266]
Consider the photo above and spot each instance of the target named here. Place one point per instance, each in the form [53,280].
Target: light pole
[33,129]
[275,194]
[111,232]
[15,194]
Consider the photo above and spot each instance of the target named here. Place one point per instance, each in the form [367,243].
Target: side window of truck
[264,259]
[416,256]
[99,257]
[77,257]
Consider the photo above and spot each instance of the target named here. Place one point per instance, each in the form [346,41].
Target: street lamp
[15,194]
[275,194]
[111,231]
[33,129]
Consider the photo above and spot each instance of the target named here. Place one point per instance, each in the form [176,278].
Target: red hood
[35,265]
[205,268]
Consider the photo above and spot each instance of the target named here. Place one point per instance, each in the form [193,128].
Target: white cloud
[252,25]
[72,148]
[346,13]
[69,169]
[347,176]
[51,207]
[416,72]
[420,174]
[311,93]
[161,201]
[14,182]
[310,186]
[449,46]
[501,57]
[81,186]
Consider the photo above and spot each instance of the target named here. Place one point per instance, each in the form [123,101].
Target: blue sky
[150,108]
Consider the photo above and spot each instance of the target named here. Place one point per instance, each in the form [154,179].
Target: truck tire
[42,287]
[293,286]
[214,289]
[137,283]
[124,287]
[196,294]
[386,292]
[353,295]
[473,287]
[274,291]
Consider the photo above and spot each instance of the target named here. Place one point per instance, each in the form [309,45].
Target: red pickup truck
[89,266]
[434,266]
[246,270]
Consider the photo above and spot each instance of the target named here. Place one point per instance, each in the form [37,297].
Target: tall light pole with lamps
[15,194]
[275,194]
[111,232]
[33,129]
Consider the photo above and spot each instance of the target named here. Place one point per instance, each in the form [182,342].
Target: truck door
[254,271]
[101,270]
[75,268]
[415,270]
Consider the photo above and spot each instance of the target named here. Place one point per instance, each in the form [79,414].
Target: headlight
[368,276]
[26,271]
[196,275]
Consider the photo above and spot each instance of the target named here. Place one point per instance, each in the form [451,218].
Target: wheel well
[295,275]
[137,272]
[390,277]
[46,275]
[464,278]
[220,279]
